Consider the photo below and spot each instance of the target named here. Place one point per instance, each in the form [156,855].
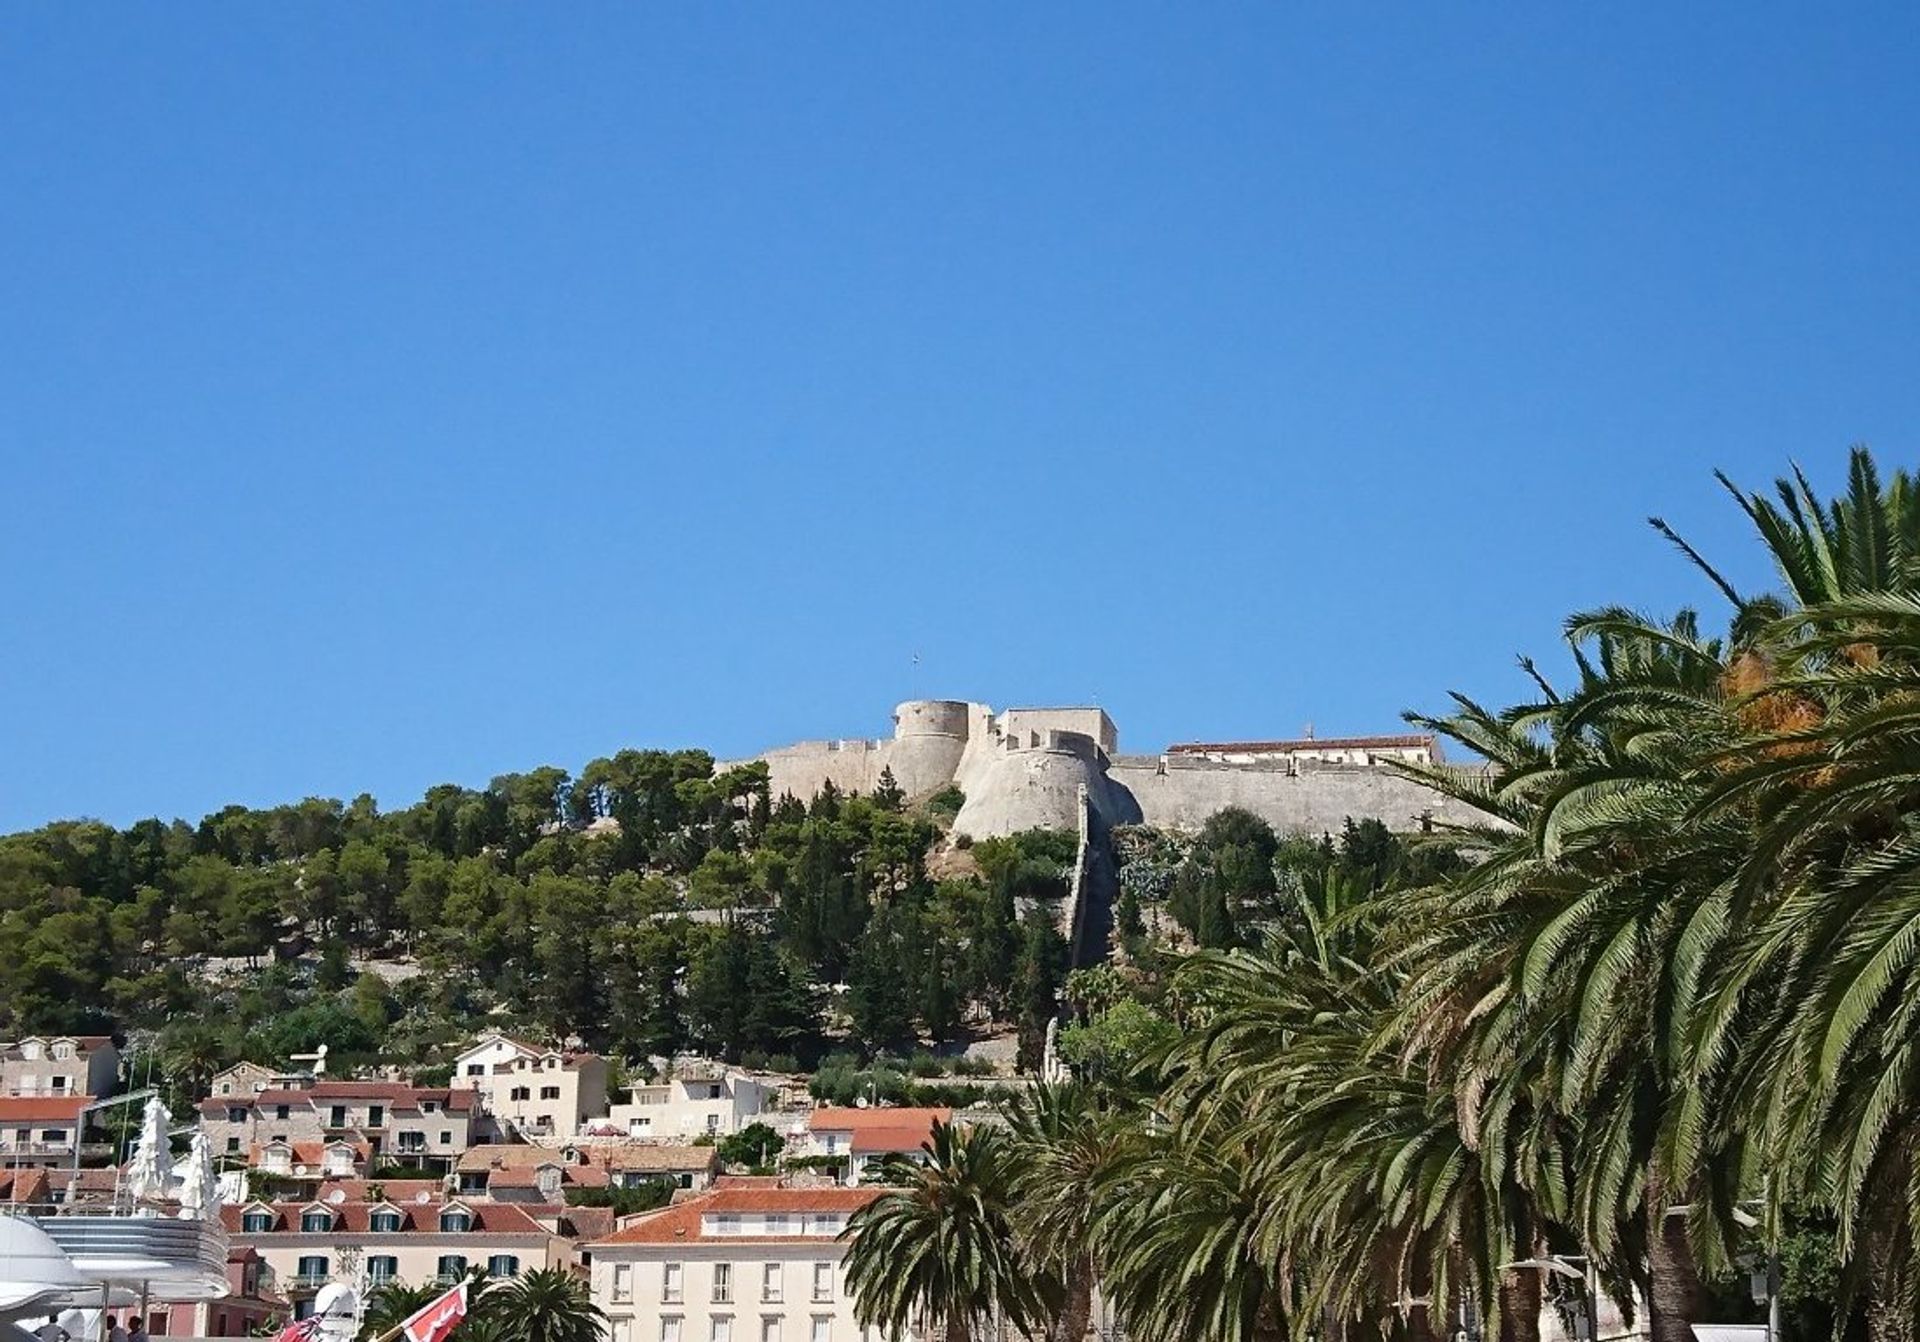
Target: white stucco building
[531,1091]
[706,1105]
[750,1260]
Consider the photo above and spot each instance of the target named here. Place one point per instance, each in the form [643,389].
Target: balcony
[310,1281]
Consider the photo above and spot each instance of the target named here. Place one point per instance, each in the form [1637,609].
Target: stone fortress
[1026,768]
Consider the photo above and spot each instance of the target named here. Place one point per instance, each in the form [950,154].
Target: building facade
[395,1123]
[533,1092]
[60,1065]
[866,1137]
[750,1260]
[682,1108]
[49,1130]
[423,1240]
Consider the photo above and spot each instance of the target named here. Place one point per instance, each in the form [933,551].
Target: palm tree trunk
[1520,1307]
[1674,1299]
[1071,1326]
[1887,1316]
[957,1330]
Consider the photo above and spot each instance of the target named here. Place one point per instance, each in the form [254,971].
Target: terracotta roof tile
[42,1108]
[831,1118]
[354,1218]
[681,1221]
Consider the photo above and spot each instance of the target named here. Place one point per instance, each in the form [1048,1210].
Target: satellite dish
[336,1197]
[422,1198]
[299,1169]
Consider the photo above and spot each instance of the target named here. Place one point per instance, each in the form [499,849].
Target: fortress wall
[1307,799]
[853,766]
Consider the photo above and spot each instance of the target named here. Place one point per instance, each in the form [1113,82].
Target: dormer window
[62,1051]
[456,1221]
[256,1221]
[384,1221]
[30,1050]
[316,1221]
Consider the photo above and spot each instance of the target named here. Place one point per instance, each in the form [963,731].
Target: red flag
[300,1330]
[435,1321]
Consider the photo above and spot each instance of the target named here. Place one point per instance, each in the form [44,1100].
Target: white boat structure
[160,1241]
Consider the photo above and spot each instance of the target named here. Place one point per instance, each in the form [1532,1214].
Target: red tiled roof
[313,1154]
[580,1176]
[354,1218]
[647,1159]
[42,1108]
[32,1185]
[830,1118]
[681,1221]
[1305,743]
[898,1137]
[397,1190]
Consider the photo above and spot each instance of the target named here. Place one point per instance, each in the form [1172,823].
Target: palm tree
[392,1304]
[1065,1138]
[546,1305]
[938,1246]
[1183,1233]
[1572,958]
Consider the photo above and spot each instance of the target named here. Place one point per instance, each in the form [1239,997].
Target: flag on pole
[436,1320]
[299,1330]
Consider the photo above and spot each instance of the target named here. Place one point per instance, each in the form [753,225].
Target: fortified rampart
[1025,768]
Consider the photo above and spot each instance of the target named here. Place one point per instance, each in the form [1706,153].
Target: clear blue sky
[397,394]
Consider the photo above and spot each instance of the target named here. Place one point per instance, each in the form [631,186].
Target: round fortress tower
[929,736]
[1036,784]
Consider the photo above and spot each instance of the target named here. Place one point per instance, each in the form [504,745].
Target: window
[822,1329]
[726,1224]
[722,1330]
[376,1116]
[428,1106]
[455,1220]
[476,1069]
[446,1139]
[453,1266]
[386,1221]
[723,1283]
[282,1112]
[504,1265]
[313,1268]
[622,1283]
[382,1267]
[770,1328]
[823,1281]
[639,1127]
[713,1123]
[770,1283]
[316,1222]
[226,1087]
[257,1223]
[670,1283]
[60,1085]
[337,1116]
[233,1144]
[777,1224]
[518,1093]
[549,1092]
[670,1328]
[62,1051]
[235,1114]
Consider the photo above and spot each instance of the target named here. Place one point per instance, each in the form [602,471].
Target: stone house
[62,1064]
[396,1123]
